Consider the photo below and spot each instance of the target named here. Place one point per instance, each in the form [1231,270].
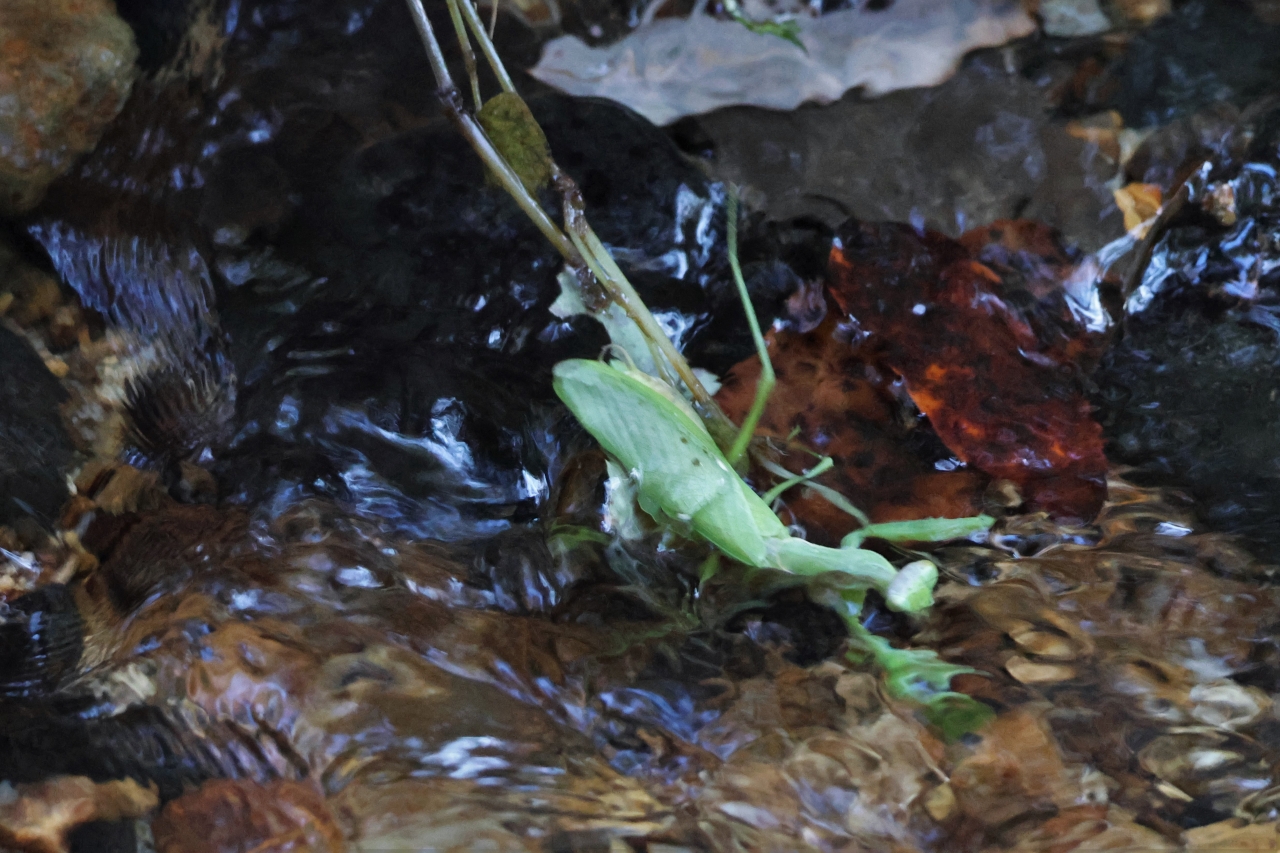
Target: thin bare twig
[468,55]
[581,248]
[435,56]
[479,140]
[621,292]
[486,44]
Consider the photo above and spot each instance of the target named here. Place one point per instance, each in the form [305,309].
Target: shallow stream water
[359,585]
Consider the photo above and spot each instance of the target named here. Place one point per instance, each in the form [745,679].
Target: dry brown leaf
[1143,12]
[834,398]
[676,67]
[1016,769]
[1044,644]
[1139,203]
[1226,704]
[1038,673]
[1206,762]
[1103,131]
[118,488]
[1094,827]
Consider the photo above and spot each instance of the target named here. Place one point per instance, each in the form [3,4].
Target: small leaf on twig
[515,133]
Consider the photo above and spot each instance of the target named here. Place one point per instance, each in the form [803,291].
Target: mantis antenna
[767,378]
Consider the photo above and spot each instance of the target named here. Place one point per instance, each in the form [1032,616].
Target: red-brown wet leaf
[1003,399]
[239,816]
[839,401]
[1035,269]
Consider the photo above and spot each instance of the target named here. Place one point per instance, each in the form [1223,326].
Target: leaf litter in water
[1003,394]
[40,817]
[281,815]
[834,398]
[1011,310]
[1163,651]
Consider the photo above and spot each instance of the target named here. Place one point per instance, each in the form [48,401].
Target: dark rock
[35,449]
[981,146]
[102,836]
[40,641]
[313,231]
[65,72]
[1189,394]
[1204,53]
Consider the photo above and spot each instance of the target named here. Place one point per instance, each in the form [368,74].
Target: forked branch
[577,243]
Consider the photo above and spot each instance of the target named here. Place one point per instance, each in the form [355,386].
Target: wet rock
[34,448]
[977,148]
[315,243]
[40,641]
[393,692]
[1200,414]
[65,71]
[1189,391]
[1203,53]
[1174,151]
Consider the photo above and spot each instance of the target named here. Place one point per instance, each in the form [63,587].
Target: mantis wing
[681,473]
[678,468]
[738,522]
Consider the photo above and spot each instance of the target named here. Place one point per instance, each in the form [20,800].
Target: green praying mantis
[682,476]
[683,479]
